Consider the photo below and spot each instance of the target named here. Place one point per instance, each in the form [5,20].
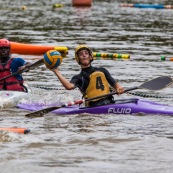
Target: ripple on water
[87,143]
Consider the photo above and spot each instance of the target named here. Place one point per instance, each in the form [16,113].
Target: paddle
[32,66]
[154,84]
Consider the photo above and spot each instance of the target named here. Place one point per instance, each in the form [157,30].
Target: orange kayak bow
[17,130]
[30,49]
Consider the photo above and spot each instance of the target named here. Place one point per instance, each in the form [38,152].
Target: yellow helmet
[80,47]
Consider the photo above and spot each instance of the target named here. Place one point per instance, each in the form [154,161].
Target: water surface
[85,143]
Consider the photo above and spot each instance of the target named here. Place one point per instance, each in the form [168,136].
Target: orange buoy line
[17,130]
[82,2]
[163,58]
[29,49]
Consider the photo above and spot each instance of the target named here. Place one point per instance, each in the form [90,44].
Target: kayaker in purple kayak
[92,81]
[9,66]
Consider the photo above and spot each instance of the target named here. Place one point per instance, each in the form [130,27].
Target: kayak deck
[124,106]
[11,98]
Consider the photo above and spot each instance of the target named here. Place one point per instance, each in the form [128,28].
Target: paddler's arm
[21,68]
[63,80]
[113,82]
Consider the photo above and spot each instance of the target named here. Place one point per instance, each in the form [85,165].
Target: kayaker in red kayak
[10,65]
[92,81]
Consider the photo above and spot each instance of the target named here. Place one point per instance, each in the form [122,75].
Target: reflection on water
[85,143]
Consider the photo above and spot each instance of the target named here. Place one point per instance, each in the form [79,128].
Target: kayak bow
[30,49]
[9,98]
[16,130]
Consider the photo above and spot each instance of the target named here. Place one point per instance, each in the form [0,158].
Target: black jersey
[82,80]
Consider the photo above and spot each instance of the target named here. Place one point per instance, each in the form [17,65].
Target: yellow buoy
[111,55]
[57,5]
[23,7]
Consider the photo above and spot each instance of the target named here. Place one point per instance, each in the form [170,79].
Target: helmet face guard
[82,47]
[4,48]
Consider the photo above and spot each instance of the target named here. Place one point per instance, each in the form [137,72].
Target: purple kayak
[125,106]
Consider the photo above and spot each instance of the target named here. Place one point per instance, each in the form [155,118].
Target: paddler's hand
[22,68]
[55,70]
[119,89]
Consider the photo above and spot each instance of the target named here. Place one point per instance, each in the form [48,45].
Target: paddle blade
[157,83]
[42,112]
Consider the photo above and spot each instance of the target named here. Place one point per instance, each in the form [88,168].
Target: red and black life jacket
[11,83]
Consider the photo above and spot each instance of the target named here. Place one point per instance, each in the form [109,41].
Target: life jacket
[11,83]
[98,85]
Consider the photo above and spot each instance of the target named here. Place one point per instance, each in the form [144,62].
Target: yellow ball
[52,59]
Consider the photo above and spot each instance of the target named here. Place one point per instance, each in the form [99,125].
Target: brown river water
[87,143]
